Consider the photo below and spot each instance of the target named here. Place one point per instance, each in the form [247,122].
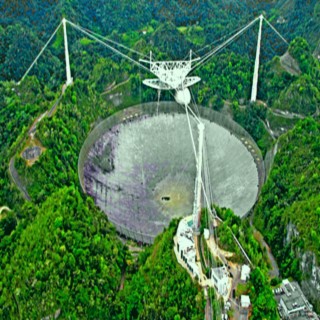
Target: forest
[60,256]
[287,213]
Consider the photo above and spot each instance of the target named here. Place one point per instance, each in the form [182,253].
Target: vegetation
[19,106]
[251,118]
[67,259]
[161,288]
[261,296]
[62,136]
[292,184]
[294,89]
[241,229]
[288,210]
[59,254]
[228,76]
[259,288]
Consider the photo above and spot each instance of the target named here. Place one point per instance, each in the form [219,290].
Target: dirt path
[274,272]
[111,88]
[275,269]
[12,170]
[286,114]
[54,107]
[4,208]
[123,278]
[17,180]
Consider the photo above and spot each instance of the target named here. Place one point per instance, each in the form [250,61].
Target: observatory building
[139,167]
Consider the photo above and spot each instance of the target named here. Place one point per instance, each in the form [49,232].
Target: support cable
[215,41]
[224,44]
[276,31]
[210,185]
[108,46]
[114,42]
[195,116]
[191,133]
[195,104]
[40,53]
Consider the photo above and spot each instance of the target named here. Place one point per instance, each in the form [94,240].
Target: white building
[220,279]
[206,234]
[185,246]
[245,272]
[245,301]
[293,301]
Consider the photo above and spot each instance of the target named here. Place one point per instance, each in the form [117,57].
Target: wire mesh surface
[140,168]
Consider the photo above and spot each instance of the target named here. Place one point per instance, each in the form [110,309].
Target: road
[275,269]
[274,272]
[268,128]
[12,170]
[53,108]
[286,114]
[114,87]
[208,310]
[17,180]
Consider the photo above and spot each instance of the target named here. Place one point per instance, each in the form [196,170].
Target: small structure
[293,302]
[281,20]
[220,278]
[185,246]
[245,272]
[206,234]
[245,301]
[31,153]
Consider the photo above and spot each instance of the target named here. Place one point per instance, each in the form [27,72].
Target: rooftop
[219,273]
[293,300]
[245,299]
[245,272]
[186,243]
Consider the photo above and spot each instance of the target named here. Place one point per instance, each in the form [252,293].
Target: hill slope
[161,288]
[68,260]
[288,211]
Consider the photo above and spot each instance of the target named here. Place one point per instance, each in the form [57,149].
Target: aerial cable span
[217,40]
[224,44]
[40,53]
[92,35]
[275,30]
[206,57]
[156,67]
[114,42]
[107,45]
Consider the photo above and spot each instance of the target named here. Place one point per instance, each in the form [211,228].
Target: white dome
[183,96]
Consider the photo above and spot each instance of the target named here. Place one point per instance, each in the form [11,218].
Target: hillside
[63,258]
[59,254]
[67,260]
[298,18]
[161,288]
[288,210]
